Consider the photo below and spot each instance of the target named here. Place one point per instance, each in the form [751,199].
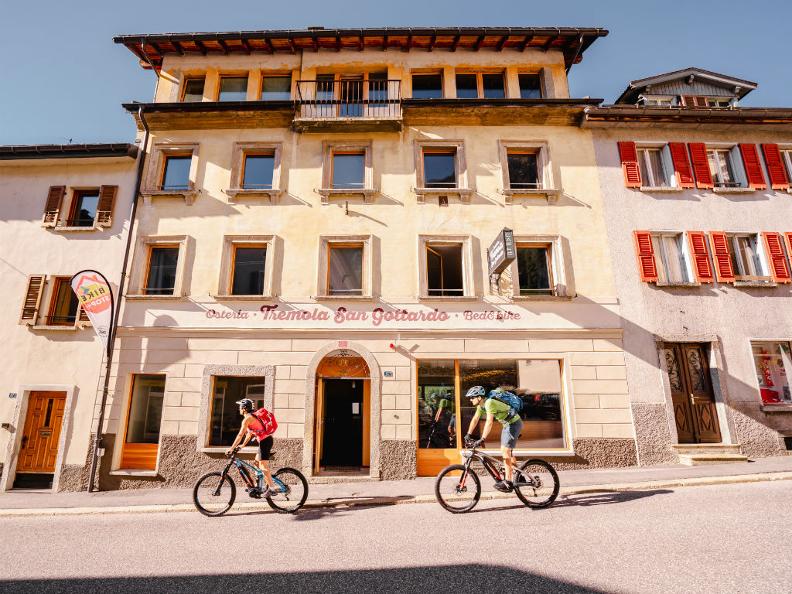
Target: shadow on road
[330,508]
[444,578]
[607,497]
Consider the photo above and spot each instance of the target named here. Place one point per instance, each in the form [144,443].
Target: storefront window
[225,412]
[773,362]
[145,409]
[436,405]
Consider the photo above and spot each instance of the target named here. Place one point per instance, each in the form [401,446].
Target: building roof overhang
[740,86]
[67,151]
[152,48]
[764,118]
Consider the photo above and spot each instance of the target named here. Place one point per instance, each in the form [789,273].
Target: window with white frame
[773,364]
[656,169]
[345,268]
[658,100]
[726,167]
[786,157]
[670,258]
[746,257]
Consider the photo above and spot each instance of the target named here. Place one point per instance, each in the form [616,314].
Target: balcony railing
[349,100]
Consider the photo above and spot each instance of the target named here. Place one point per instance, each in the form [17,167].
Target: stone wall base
[758,432]
[653,434]
[599,453]
[397,460]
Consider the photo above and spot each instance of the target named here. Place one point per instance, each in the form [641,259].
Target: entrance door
[691,391]
[40,437]
[342,434]
[351,96]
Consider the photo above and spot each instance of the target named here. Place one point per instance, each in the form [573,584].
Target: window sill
[776,408]
[327,193]
[234,194]
[451,298]
[242,297]
[681,285]
[58,328]
[463,194]
[768,284]
[733,190]
[139,297]
[343,297]
[542,298]
[187,195]
[133,472]
[656,189]
[70,229]
[550,194]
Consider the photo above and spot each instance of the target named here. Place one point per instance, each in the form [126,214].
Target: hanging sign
[502,252]
[96,299]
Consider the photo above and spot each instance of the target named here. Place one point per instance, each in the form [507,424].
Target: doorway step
[696,454]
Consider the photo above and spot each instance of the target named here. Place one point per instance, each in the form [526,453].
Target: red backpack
[267,423]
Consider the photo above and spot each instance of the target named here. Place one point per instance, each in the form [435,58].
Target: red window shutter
[775,167]
[679,156]
[629,161]
[779,268]
[646,260]
[701,262]
[53,205]
[720,254]
[30,307]
[104,211]
[753,169]
[698,155]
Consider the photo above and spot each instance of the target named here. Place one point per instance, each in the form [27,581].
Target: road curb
[350,502]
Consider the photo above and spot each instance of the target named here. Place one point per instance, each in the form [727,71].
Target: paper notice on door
[356,408]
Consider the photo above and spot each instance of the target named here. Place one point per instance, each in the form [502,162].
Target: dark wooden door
[42,432]
[691,392]
[343,423]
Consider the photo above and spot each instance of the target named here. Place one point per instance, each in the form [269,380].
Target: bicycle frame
[491,464]
[245,468]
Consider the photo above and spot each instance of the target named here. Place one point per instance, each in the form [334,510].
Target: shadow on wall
[444,578]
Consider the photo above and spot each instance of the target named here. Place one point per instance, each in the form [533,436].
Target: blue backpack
[514,401]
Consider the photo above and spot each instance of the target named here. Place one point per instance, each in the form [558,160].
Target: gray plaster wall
[728,316]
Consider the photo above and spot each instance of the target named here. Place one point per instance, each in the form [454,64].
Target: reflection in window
[258,171]
[773,362]
[533,269]
[63,311]
[345,269]
[145,409]
[530,86]
[248,275]
[670,258]
[161,277]
[83,212]
[746,261]
[176,172]
[225,418]
[349,169]
[427,86]
[193,90]
[440,168]
[276,88]
[233,88]
[523,170]
[436,405]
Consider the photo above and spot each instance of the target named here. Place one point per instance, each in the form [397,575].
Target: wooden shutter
[779,268]
[104,212]
[679,157]
[698,250]
[753,169]
[720,254]
[694,101]
[32,302]
[629,161]
[646,260]
[53,205]
[775,167]
[698,156]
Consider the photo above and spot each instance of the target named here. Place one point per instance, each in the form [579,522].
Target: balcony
[348,105]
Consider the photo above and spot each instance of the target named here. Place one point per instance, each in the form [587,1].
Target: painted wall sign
[502,252]
[387,374]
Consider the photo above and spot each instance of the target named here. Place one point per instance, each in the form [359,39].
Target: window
[534,269]
[85,204]
[145,409]
[377,88]
[162,265]
[654,170]
[745,257]
[721,164]
[444,270]
[248,265]
[344,268]
[656,101]
[193,90]
[786,156]
[226,391]
[439,168]
[526,170]
[480,85]
[349,170]
[276,88]
[258,170]
[255,171]
[530,86]
[467,86]
[492,86]
[176,172]
[670,258]
[523,169]
[427,86]
[64,304]
[233,88]
[773,363]
[718,102]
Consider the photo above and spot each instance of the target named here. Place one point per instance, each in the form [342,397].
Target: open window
[255,171]
[745,252]
[50,303]
[671,259]
[345,267]
[445,263]
[193,89]
[657,170]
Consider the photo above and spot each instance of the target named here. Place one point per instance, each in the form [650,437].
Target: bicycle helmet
[476,392]
[246,403]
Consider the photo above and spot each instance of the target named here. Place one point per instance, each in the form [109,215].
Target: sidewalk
[420,490]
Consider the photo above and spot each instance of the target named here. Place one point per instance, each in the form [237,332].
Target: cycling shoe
[504,486]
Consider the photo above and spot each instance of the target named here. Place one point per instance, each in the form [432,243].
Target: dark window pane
[348,171]
[258,171]
[249,270]
[523,170]
[493,86]
[530,86]
[467,87]
[177,173]
[532,270]
[145,409]
[444,270]
[325,87]
[226,419]
[193,90]
[64,311]
[427,86]
[436,404]
[440,170]
[84,210]
[162,271]
[233,88]
[346,271]
[378,87]
[276,88]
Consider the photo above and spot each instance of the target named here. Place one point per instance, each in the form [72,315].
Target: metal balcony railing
[374,99]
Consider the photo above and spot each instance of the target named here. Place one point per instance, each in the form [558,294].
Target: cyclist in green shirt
[495,410]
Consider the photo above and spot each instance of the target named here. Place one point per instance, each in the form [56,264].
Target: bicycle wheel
[214,494]
[536,483]
[457,489]
[294,491]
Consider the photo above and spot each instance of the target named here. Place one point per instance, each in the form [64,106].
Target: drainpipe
[99,442]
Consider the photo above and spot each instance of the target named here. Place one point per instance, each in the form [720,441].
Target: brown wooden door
[41,435]
[691,392]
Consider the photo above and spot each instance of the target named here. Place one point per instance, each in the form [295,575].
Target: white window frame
[327,191]
[659,100]
[561,281]
[140,266]
[740,277]
[668,168]
[322,278]
[469,288]
[735,159]
[550,189]
[241,151]
[462,190]
[226,280]
[152,188]
[661,259]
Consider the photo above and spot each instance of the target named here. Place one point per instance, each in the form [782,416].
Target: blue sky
[63,78]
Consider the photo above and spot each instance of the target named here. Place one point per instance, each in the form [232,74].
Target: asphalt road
[733,538]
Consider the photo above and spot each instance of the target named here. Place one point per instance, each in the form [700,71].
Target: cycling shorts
[264,449]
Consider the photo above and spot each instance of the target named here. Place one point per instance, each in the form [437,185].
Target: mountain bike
[458,487]
[214,493]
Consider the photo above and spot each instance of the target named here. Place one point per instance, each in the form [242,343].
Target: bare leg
[264,466]
[508,462]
